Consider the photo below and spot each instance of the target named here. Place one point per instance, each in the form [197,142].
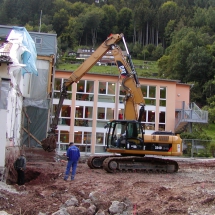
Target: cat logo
[122,70]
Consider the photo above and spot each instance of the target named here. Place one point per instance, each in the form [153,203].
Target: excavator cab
[124,135]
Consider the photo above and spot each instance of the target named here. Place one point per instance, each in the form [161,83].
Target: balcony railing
[189,113]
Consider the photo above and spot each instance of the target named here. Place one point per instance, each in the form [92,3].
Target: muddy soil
[189,191]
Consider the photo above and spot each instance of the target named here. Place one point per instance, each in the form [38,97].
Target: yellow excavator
[130,148]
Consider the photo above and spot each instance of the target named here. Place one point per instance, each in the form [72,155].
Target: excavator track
[139,164]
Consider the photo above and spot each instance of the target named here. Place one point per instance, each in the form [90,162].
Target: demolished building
[27,70]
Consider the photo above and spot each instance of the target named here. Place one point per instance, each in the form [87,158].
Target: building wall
[3,117]
[182,94]
[85,113]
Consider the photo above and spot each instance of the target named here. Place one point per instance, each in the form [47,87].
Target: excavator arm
[130,82]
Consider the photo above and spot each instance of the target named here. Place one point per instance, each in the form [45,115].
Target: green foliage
[169,30]
[198,132]
[124,22]
[163,66]
[188,135]
[212,149]
[209,130]
[179,34]
[143,68]
[136,50]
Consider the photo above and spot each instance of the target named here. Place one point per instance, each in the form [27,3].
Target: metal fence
[198,148]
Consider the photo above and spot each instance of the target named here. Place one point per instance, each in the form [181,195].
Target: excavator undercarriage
[114,164]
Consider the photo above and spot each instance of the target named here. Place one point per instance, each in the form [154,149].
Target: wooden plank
[32,136]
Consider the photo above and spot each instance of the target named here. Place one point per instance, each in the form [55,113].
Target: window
[90,86]
[163,96]
[121,114]
[101,113]
[152,91]
[100,138]
[63,147]
[102,88]
[150,102]
[105,113]
[149,93]
[106,92]
[110,113]
[64,116]
[162,121]
[162,117]
[58,84]
[64,136]
[163,92]
[78,137]
[122,93]
[143,119]
[151,116]
[103,116]
[38,40]
[149,119]
[111,88]
[161,127]
[81,114]
[144,90]
[87,137]
[83,140]
[85,90]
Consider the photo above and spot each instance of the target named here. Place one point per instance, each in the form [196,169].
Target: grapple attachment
[49,143]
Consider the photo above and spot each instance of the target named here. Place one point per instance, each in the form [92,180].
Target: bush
[212,149]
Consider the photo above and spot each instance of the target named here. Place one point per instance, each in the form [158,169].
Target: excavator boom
[49,143]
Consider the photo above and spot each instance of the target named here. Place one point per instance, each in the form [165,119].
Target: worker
[73,155]
[121,139]
[20,166]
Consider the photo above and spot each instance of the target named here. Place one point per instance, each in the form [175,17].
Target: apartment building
[98,98]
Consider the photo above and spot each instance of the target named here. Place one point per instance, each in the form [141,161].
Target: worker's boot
[65,177]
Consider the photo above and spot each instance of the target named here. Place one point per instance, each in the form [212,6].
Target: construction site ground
[189,191]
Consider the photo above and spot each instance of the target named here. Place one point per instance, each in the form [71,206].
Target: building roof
[46,43]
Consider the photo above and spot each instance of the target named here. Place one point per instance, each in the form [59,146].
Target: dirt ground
[189,191]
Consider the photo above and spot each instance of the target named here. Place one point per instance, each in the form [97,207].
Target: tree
[93,19]
[199,64]
[124,22]
[199,18]
[163,66]
[168,11]
[77,8]
[210,17]
[109,21]
[169,30]
[60,21]
[140,18]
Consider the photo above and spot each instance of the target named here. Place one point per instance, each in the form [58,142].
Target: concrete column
[72,113]
[93,138]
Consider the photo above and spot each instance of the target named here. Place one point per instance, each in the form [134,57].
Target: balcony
[189,114]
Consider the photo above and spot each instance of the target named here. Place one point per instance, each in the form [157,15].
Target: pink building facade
[98,98]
